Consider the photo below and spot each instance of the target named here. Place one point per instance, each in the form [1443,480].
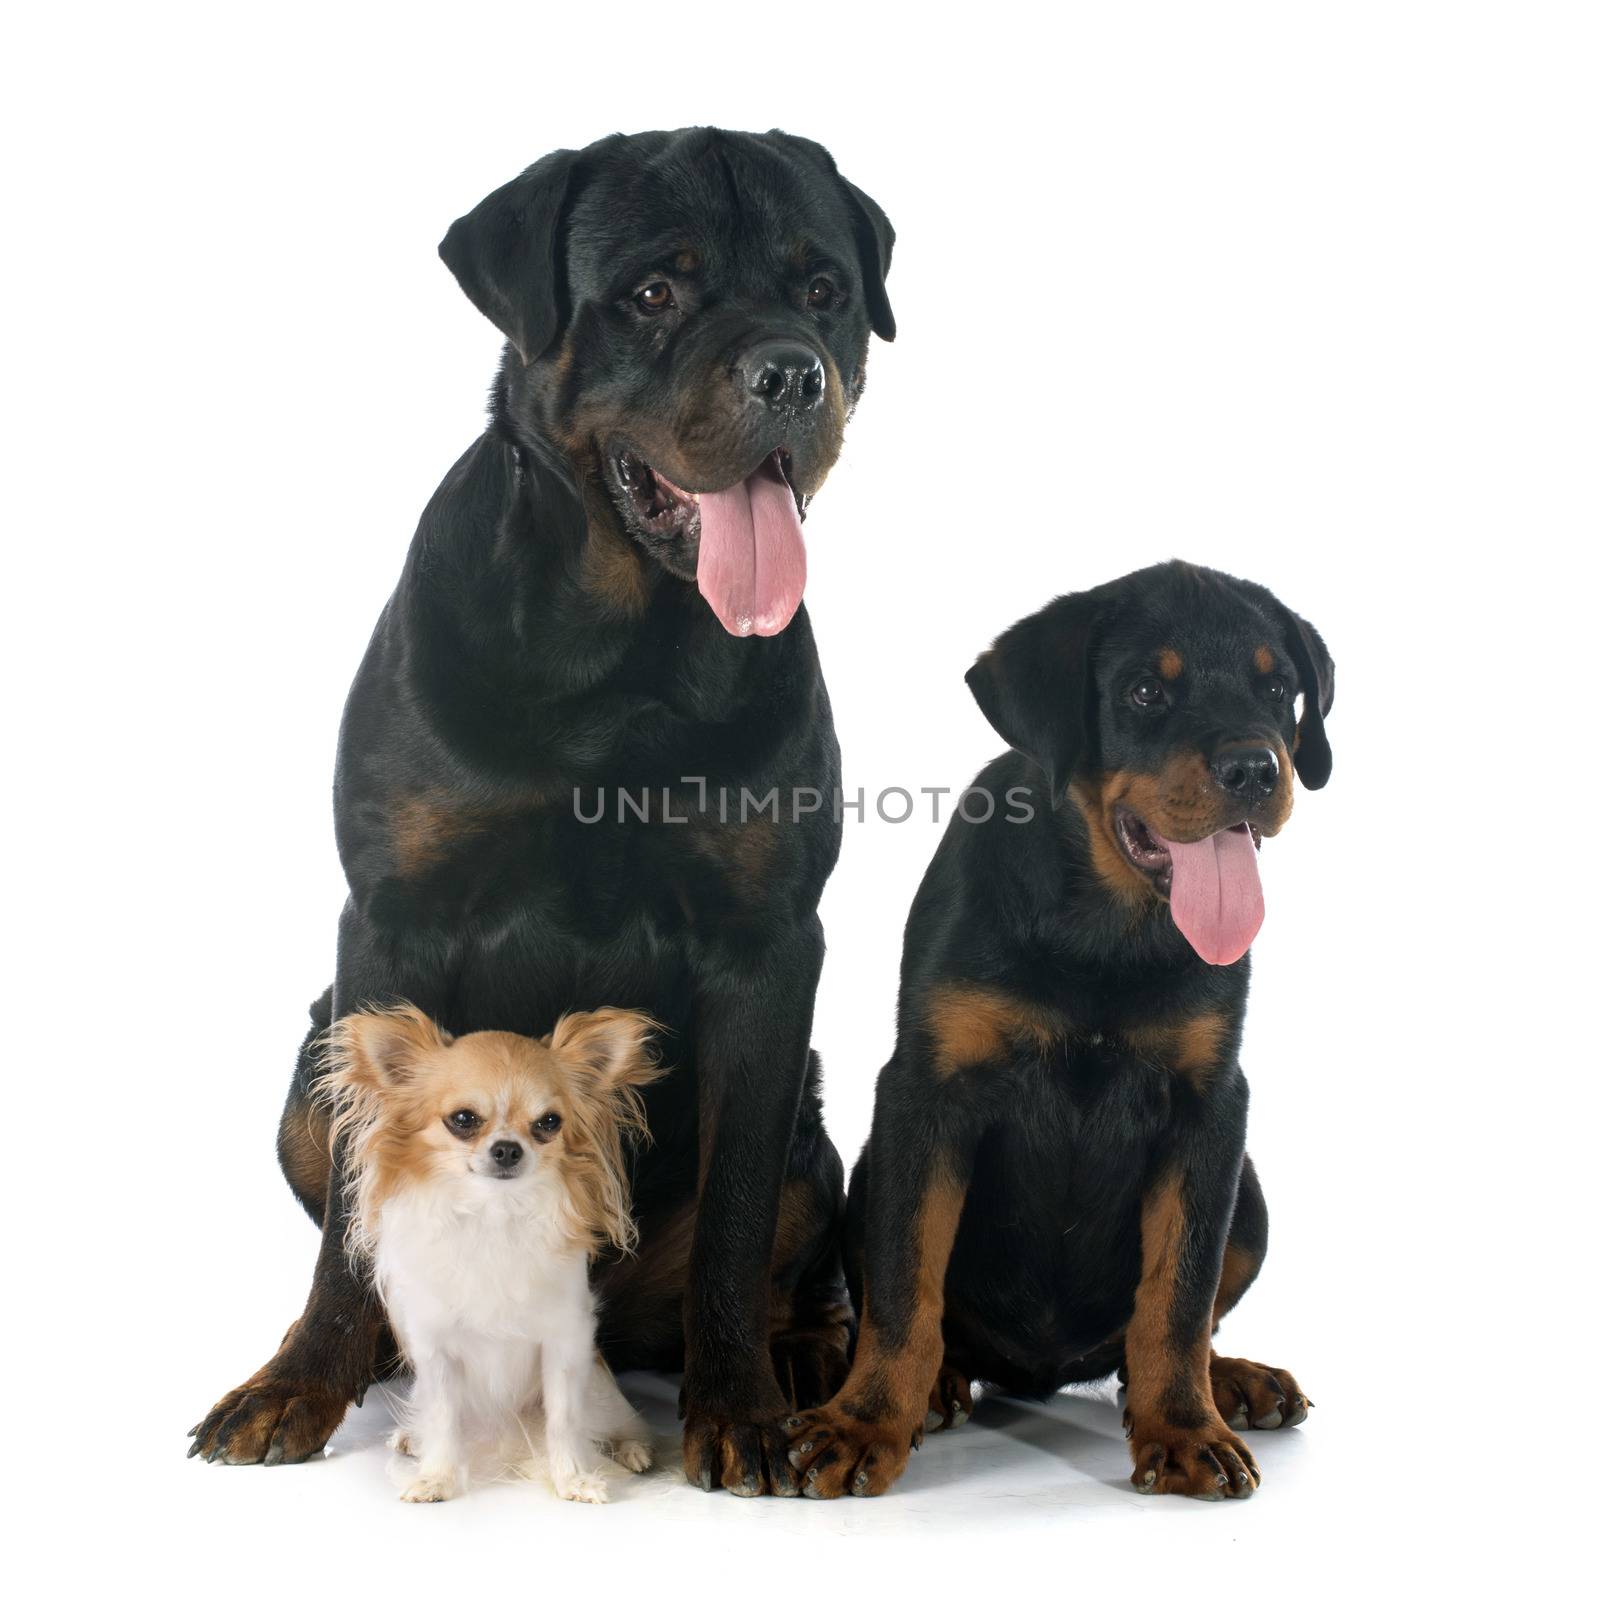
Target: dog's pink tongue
[752,565]
[1216,894]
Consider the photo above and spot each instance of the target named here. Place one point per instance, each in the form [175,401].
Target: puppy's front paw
[836,1454]
[1251,1395]
[587,1487]
[634,1454]
[428,1487]
[1206,1463]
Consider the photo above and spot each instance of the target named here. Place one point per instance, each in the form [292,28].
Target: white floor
[1024,1495]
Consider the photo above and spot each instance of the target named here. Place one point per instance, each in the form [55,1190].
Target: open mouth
[1212,885]
[655,505]
[742,545]
[1151,854]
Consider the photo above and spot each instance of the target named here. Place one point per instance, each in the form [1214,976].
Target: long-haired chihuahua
[484,1173]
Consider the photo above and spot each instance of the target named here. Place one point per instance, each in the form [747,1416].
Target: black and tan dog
[1056,1183]
[603,597]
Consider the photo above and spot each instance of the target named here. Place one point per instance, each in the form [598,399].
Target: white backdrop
[1306,293]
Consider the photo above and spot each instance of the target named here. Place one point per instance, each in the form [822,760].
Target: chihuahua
[484,1173]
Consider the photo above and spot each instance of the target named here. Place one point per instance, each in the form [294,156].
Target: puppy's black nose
[1247,772]
[506,1153]
[783,376]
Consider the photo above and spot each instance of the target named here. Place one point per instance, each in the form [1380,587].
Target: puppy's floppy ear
[1035,684]
[380,1049]
[873,230]
[615,1046]
[506,254]
[1313,755]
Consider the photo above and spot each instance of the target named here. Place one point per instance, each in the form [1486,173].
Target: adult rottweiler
[557,762]
[1056,1186]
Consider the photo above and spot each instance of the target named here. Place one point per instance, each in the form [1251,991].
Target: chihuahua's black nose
[506,1153]
[1247,772]
[784,376]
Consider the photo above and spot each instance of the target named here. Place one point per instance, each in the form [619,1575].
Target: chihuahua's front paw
[634,1454]
[428,1487]
[400,1443]
[587,1487]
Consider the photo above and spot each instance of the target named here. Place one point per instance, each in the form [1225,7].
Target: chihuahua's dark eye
[1147,694]
[654,297]
[463,1122]
[1277,690]
[821,294]
[547,1126]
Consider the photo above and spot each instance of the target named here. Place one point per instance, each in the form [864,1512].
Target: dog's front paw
[400,1442]
[1250,1395]
[747,1458]
[1206,1463]
[429,1487]
[634,1454]
[589,1488]
[835,1453]
[270,1420]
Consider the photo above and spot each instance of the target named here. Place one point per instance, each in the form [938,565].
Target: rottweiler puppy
[557,762]
[1056,1185]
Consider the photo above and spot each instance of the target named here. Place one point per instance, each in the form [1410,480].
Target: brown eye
[463,1123]
[1277,690]
[654,297]
[547,1127]
[1147,694]
[821,294]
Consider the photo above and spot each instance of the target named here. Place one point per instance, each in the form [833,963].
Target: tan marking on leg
[1239,1268]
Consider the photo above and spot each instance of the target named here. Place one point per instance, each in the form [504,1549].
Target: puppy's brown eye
[1277,689]
[654,297]
[548,1126]
[821,294]
[463,1122]
[1147,694]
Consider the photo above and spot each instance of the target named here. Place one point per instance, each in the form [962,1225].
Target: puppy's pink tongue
[1216,894]
[752,565]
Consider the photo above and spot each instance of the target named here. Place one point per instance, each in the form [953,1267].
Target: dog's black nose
[506,1153]
[1248,772]
[783,376]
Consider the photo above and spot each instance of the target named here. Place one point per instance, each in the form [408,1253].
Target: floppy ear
[613,1045]
[380,1049]
[506,254]
[1313,755]
[873,231]
[875,245]
[1036,687]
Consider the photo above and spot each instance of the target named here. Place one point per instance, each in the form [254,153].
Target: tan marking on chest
[969,1024]
[1192,1047]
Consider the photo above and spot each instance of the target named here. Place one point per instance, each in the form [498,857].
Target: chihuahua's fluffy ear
[609,1056]
[380,1049]
[615,1046]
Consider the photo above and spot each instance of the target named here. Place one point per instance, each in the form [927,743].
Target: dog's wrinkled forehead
[733,207]
[1197,626]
